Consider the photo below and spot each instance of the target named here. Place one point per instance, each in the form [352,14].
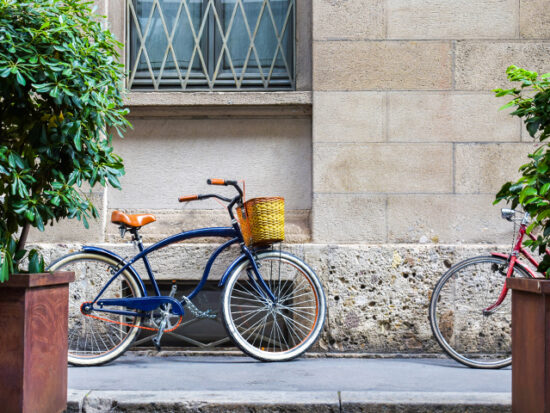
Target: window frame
[212,46]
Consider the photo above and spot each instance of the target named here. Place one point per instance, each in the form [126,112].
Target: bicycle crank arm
[143,303]
[158,336]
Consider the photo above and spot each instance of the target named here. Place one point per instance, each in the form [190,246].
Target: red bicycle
[470,312]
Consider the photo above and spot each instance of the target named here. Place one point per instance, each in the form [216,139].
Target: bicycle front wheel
[280,330]
[100,337]
[467,333]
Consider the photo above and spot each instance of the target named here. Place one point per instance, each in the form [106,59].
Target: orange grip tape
[188,198]
[217,182]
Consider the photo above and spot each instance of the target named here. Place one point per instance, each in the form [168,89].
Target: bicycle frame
[149,303]
[513,259]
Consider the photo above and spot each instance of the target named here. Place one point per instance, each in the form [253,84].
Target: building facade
[373,118]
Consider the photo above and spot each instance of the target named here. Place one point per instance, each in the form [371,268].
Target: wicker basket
[262,221]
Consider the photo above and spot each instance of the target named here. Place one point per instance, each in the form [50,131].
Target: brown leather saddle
[132,220]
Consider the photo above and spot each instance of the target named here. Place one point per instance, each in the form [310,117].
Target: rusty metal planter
[530,345]
[33,342]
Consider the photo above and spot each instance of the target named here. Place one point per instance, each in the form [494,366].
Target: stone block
[381,65]
[72,230]
[534,17]
[484,168]
[382,168]
[482,65]
[449,117]
[273,156]
[349,218]
[459,19]
[349,116]
[446,218]
[350,19]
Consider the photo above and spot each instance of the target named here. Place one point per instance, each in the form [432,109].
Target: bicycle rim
[467,334]
[93,341]
[280,331]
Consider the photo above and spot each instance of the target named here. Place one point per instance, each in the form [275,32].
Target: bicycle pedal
[156,343]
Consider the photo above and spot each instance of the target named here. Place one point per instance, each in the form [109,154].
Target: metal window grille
[211,44]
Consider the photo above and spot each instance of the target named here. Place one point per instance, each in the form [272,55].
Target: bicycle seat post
[136,238]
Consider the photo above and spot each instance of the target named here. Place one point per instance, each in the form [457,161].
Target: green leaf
[85,222]
[76,139]
[542,215]
[35,265]
[20,79]
[39,222]
[15,160]
[532,128]
[19,255]
[4,270]
[527,191]
[508,105]
[542,168]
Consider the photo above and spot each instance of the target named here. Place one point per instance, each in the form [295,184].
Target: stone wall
[377,295]
[390,153]
[408,142]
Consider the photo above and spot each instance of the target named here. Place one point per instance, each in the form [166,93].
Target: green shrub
[60,98]
[531,102]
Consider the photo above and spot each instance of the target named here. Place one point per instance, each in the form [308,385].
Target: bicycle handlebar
[225,182]
[216,181]
[188,198]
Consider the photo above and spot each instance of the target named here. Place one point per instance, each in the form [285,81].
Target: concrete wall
[389,154]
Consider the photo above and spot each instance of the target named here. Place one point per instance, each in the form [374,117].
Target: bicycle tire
[279,332]
[456,315]
[91,341]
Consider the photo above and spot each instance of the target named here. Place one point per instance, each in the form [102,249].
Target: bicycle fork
[492,308]
[258,281]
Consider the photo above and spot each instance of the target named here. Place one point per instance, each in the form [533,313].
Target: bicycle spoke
[294,322]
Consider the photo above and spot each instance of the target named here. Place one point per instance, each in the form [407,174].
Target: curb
[81,401]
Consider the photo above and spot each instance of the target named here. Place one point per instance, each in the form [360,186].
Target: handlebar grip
[216,182]
[188,198]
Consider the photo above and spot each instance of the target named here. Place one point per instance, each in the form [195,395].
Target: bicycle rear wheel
[95,341]
[277,331]
[460,326]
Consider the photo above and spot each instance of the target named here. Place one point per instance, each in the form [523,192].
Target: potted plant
[60,99]
[531,297]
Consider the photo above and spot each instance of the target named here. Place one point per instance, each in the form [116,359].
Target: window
[211,44]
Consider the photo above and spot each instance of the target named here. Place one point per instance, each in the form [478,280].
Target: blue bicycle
[273,305]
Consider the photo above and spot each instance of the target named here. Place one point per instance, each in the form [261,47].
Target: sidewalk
[239,384]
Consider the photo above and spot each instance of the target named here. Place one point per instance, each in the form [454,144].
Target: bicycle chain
[196,312]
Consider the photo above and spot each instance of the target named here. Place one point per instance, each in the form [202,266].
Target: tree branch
[23,238]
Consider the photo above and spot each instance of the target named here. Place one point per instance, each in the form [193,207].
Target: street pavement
[224,384]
